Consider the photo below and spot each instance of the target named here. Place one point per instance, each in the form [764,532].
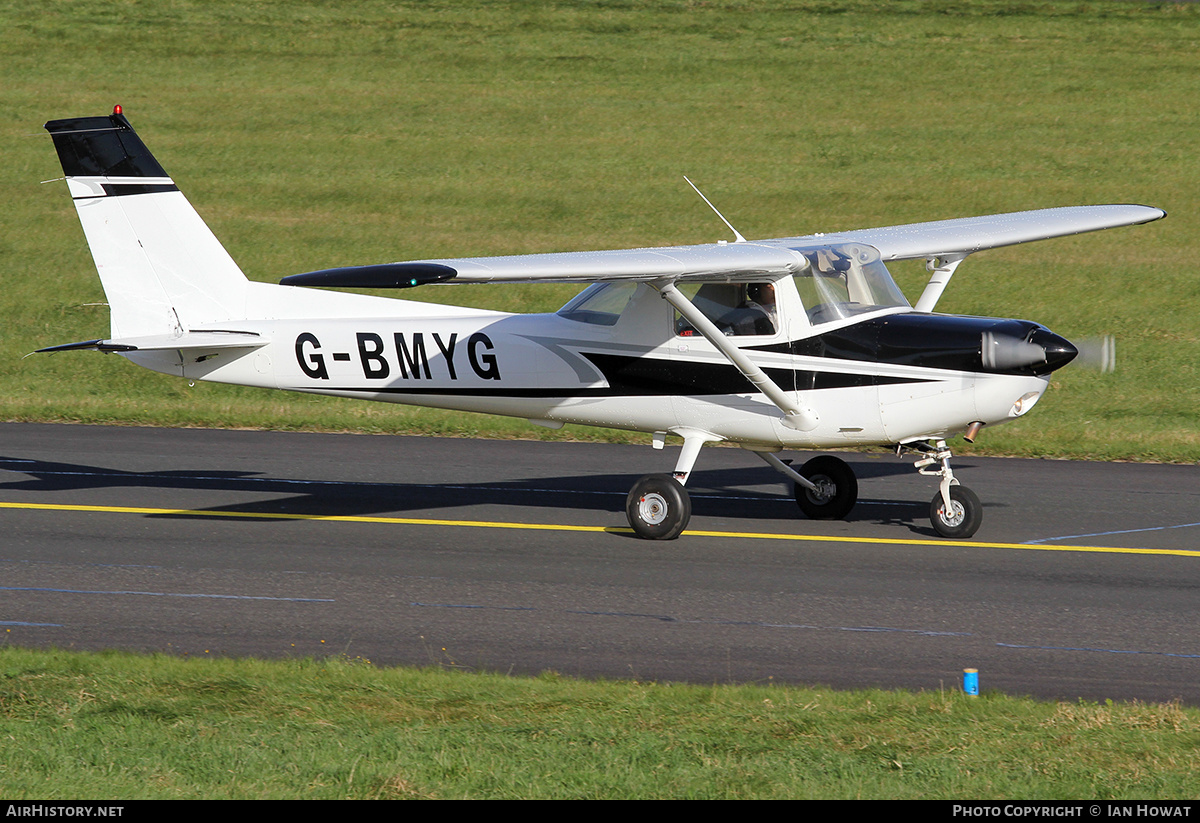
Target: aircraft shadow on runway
[752,493]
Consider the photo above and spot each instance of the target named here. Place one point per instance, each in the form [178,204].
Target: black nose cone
[1059,351]
[1018,347]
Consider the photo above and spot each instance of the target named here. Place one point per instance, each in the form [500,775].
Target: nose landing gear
[955,510]
[958,519]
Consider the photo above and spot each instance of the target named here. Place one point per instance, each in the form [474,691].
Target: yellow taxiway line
[493,524]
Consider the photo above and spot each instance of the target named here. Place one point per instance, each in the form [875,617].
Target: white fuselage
[635,374]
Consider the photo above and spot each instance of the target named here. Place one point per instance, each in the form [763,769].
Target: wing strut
[800,418]
[943,269]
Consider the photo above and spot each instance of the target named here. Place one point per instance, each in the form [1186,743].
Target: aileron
[967,235]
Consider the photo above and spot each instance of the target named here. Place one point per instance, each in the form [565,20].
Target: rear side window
[600,304]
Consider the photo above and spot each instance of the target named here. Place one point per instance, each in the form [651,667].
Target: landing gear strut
[955,510]
[658,506]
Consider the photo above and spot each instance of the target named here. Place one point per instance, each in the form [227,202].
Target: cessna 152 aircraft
[792,343]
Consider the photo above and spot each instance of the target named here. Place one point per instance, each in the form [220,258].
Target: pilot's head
[761,293]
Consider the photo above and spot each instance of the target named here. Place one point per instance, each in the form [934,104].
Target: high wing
[967,235]
[742,261]
[726,262]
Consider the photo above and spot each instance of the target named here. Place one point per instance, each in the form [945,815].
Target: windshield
[844,280]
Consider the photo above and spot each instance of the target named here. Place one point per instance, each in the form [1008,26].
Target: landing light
[1024,403]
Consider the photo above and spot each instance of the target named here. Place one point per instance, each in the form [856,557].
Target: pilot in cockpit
[758,311]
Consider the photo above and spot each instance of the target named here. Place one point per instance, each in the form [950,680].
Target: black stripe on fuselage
[631,376]
[928,341]
[628,375]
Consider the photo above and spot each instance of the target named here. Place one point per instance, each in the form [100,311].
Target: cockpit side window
[845,280]
[736,309]
[600,304]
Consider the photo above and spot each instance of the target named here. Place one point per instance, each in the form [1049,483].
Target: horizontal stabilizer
[215,339]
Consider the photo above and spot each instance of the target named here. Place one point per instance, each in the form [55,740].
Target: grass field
[122,726]
[313,135]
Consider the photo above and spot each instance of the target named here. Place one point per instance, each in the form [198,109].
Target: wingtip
[384,276]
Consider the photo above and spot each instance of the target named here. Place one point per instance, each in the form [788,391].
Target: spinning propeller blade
[1098,353]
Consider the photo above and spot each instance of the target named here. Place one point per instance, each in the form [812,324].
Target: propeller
[1097,353]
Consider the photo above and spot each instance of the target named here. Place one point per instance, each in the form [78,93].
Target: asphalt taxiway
[515,557]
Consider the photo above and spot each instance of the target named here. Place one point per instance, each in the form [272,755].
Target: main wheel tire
[964,517]
[837,488]
[658,507]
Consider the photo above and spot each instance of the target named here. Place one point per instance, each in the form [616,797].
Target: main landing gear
[658,506]
[826,488]
[836,489]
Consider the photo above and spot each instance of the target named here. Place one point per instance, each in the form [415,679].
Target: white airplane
[791,343]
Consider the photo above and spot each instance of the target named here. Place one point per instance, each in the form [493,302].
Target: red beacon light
[117,109]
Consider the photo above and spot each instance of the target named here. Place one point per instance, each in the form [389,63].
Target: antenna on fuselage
[737,234]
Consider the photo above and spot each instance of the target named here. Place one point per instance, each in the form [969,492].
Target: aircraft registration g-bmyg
[791,343]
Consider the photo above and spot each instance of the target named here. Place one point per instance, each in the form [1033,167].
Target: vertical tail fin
[163,270]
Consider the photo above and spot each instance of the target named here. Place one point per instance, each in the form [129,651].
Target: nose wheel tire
[962,519]
[658,507]
[837,488]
